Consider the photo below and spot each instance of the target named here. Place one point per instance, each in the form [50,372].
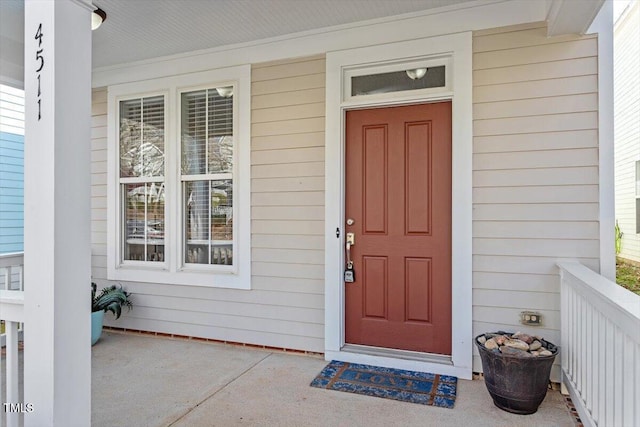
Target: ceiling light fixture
[416,74]
[97,18]
[225,92]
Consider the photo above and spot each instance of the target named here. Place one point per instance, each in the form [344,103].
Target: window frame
[174,270]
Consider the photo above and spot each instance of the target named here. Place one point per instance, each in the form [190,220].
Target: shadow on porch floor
[148,381]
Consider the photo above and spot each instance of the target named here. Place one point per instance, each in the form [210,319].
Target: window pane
[194,132]
[207,131]
[142,137]
[144,219]
[208,222]
[398,81]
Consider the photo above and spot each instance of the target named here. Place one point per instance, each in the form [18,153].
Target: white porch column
[57,253]
[603,25]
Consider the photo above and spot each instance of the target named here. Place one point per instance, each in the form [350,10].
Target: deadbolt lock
[351,238]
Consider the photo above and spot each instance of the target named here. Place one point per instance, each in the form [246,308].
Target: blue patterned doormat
[407,386]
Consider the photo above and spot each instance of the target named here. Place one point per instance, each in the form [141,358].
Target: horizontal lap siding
[287,183]
[99,184]
[627,126]
[11,169]
[285,306]
[535,173]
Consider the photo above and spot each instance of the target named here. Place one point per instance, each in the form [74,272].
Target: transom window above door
[399,80]
[396,81]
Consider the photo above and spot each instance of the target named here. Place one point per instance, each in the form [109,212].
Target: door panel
[375,275]
[398,191]
[418,281]
[374,186]
[418,178]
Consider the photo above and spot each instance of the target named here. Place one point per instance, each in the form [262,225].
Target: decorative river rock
[518,344]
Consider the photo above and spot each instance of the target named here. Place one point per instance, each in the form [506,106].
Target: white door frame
[457,50]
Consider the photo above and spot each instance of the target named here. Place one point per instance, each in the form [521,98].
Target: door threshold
[398,354]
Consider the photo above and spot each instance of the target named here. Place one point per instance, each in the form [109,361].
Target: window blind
[142,137]
[207,175]
[142,149]
[207,132]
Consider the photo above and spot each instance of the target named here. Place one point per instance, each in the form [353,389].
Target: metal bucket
[516,384]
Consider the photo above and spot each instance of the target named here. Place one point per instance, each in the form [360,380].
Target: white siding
[535,173]
[627,125]
[99,184]
[285,306]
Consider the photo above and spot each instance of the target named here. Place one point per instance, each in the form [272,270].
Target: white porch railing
[11,271]
[600,347]
[12,315]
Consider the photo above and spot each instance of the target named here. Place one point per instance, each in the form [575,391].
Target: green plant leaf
[111,299]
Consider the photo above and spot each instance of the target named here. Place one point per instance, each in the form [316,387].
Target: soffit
[569,17]
[143,29]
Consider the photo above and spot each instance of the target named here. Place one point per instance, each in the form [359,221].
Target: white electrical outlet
[531,318]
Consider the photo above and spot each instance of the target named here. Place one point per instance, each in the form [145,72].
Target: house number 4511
[40,65]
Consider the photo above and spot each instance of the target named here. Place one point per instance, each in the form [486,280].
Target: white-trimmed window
[401,80]
[178,190]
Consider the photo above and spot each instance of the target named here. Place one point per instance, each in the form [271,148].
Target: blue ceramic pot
[97,317]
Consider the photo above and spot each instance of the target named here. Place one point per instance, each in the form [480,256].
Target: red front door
[398,194]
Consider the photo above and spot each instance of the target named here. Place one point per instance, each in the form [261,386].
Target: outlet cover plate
[531,318]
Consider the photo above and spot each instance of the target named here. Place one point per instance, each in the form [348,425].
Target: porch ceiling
[144,29]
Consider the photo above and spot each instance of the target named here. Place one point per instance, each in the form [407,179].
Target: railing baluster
[13,396]
[636,386]
[627,386]
[610,370]
[619,377]
[574,333]
[2,392]
[581,349]
[588,356]
[597,370]
[11,313]
[563,326]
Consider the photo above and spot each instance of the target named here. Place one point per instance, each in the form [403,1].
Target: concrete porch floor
[140,380]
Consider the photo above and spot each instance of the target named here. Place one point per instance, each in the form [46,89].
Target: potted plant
[111,298]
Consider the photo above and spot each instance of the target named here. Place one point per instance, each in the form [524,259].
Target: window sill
[186,277]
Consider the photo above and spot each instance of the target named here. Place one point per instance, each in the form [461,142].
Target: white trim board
[459,48]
